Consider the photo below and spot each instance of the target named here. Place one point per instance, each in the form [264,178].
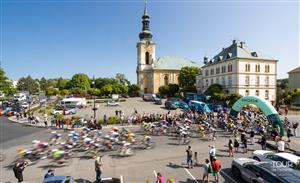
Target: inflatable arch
[264,105]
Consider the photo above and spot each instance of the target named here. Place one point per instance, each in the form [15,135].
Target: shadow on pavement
[173,165]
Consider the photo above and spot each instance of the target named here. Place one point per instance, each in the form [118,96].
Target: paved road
[11,131]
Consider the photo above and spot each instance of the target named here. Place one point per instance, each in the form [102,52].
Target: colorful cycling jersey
[58,154]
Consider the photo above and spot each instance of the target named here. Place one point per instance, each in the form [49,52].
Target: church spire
[146,34]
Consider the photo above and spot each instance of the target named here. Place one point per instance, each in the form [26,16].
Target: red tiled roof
[297,70]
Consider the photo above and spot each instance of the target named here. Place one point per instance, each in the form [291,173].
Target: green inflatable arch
[264,105]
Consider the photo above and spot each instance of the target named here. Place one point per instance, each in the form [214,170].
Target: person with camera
[18,170]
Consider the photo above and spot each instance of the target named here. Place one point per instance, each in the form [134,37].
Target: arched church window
[147,58]
[166,79]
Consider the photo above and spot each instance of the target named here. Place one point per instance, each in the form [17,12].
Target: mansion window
[267,68]
[223,81]
[147,56]
[206,73]
[257,92]
[223,69]
[229,80]
[257,68]
[267,94]
[218,70]
[206,81]
[247,80]
[166,80]
[217,80]
[247,93]
[230,68]
[247,68]
[257,80]
[267,81]
[212,71]
[212,81]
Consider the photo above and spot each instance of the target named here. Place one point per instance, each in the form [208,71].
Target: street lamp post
[94,97]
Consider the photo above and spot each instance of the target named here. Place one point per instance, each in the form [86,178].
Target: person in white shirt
[280,145]
[212,152]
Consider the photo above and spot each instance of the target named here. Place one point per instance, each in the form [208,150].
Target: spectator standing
[50,173]
[189,156]
[252,134]
[46,120]
[18,170]
[206,171]
[280,145]
[286,110]
[98,169]
[295,126]
[160,178]
[105,119]
[230,148]
[263,142]
[289,133]
[236,145]
[212,152]
[216,167]
[245,148]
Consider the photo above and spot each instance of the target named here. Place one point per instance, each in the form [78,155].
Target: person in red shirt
[216,167]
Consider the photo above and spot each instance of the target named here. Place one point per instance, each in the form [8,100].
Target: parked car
[157,101]
[246,169]
[59,179]
[269,156]
[215,108]
[149,97]
[171,105]
[181,104]
[64,111]
[113,103]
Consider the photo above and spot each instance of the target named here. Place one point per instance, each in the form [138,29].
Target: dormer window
[220,58]
[228,56]
[254,54]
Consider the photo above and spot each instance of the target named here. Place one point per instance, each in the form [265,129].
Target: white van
[20,97]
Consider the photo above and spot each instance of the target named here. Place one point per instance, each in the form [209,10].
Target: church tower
[145,56]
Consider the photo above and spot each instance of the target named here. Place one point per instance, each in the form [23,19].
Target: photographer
[18,170]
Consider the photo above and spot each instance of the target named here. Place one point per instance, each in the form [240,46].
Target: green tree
[28,84]
[65,92]
[101,82]
[51,91]
[169,90]
[187,76]
[107,89]
[43,84]
[192,89]
[134,90]
[5,85]
[122,79]
[119,89]
[164,90]
[77,91]
[232,98]
[81,81]
[214,88]
[62,83]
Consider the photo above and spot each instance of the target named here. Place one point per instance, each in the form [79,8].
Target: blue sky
[59,38]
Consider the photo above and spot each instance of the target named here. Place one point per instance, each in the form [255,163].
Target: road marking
[226,175]
[155,174]
[121,179]
[191,175]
